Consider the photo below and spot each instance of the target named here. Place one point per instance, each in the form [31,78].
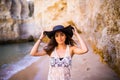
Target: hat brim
[67,30]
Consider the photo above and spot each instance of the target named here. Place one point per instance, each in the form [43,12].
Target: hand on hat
[42,35]
[75,31]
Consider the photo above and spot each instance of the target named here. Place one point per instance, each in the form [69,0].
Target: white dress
[60,69]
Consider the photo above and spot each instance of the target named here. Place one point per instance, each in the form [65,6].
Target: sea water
[14,58]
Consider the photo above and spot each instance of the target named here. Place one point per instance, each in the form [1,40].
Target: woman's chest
[57,62]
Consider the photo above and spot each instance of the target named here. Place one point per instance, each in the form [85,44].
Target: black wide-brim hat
[67,30]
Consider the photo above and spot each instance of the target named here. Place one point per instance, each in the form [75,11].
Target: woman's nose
[59,37]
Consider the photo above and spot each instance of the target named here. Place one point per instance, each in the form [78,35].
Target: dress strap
[68,51]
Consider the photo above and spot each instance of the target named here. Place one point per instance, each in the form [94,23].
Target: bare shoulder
[72,47]
[77,50]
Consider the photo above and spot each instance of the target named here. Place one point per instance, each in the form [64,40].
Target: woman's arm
[34,51]
[83,48]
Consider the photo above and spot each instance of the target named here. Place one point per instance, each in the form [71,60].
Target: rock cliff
[14,15]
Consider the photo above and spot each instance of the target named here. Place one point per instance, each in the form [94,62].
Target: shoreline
[30,72]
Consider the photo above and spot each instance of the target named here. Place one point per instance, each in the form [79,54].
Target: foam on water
[9,70]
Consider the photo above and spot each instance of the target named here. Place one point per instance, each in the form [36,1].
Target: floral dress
[60,69]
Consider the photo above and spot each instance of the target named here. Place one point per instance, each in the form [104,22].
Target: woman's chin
[60,43]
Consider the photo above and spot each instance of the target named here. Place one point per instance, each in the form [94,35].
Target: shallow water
[11,53]
[15,57]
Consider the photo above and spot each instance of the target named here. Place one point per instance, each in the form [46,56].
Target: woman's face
[60,37]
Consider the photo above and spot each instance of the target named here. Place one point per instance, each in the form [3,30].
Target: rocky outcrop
[13,15]
[99,20]
[8,27]
[19,9]
[109,41]
[31,8]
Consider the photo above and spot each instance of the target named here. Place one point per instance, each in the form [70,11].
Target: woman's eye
[59,34]
[62,34]
[56,35]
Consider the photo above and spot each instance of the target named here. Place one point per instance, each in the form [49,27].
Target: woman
[61,48]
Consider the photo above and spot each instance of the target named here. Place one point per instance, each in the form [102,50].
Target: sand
[36,71]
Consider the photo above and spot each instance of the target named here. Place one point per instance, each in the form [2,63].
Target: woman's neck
[61,46]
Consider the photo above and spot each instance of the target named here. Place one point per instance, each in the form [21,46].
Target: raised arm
[83,48]
[34,50]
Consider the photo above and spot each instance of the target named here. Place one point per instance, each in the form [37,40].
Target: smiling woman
[60,49]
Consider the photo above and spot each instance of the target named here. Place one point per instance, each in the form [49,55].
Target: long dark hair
[52,43]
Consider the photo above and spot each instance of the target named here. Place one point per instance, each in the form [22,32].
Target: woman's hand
[83,48]
[75,31]
[34,51]
[42,35]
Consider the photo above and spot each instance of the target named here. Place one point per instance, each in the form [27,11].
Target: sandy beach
[84,67]
[36,71]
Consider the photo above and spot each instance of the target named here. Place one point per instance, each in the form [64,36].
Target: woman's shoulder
[72,47]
